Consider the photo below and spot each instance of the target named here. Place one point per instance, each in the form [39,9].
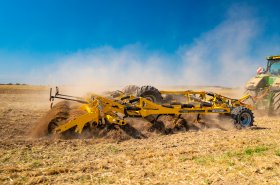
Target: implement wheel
[150,93]
[243,117]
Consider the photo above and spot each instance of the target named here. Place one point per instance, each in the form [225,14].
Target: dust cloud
[224,56]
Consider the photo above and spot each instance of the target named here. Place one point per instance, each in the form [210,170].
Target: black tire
[130,89]
[276,102]
[243,117]
[150,93]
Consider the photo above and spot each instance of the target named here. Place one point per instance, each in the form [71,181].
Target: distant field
[22,89]
[207,156]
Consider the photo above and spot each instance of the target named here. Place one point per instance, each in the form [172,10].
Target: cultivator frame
[104,110]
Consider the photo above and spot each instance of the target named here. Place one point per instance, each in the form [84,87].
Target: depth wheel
[243,117]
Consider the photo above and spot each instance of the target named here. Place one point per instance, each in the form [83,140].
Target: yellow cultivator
[151,104]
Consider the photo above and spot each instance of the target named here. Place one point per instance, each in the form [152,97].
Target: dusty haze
[227,56]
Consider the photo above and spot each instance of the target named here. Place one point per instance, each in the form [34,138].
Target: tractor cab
[273,65]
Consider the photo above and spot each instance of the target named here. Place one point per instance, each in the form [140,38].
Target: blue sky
[43,35]
[67,26]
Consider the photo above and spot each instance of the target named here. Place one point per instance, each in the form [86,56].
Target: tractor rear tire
[276,102]
[243,117]
[150,93]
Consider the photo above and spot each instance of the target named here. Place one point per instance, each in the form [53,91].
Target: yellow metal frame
[100,110]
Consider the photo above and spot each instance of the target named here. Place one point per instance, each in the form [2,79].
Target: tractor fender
[256,82]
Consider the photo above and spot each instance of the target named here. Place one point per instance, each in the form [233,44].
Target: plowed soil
[211,151]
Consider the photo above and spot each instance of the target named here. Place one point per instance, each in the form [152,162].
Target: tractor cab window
[275,68]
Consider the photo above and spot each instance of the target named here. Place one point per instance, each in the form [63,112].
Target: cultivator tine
[51,99]
[56,91]
[50,94]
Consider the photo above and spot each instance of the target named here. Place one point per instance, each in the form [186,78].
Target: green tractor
[265,86]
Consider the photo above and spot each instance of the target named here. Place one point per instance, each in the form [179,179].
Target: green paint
[264,87]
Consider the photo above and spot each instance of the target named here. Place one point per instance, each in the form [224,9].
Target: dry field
[207,156]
